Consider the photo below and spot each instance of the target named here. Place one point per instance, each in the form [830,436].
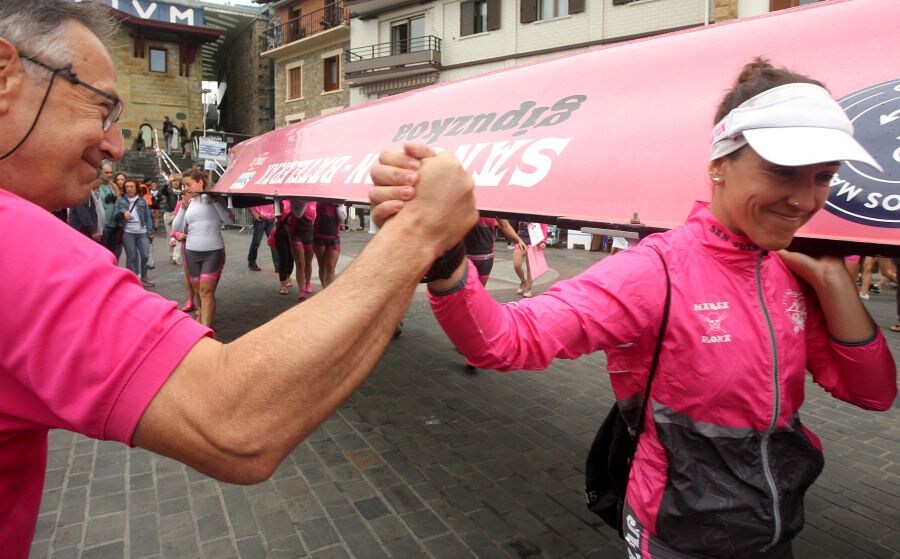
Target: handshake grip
[447,263]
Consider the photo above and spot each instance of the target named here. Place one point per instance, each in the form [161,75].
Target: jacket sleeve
[121,208]
[609,305]
[147,218]
[862,373]
[179,222]
[81,220]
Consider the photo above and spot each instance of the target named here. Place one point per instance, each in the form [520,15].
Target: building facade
[306,42]
[158,73]
[400,45]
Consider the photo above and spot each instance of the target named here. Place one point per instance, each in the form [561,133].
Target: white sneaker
[864,296]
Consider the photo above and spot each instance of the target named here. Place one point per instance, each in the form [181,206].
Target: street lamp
[205,93]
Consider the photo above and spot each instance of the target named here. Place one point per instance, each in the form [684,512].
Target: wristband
[446,264]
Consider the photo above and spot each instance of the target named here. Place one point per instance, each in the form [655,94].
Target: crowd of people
[723,463]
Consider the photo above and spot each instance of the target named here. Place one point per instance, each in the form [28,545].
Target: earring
[716,179]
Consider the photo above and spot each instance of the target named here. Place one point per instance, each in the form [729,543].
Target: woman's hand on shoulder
[817,271]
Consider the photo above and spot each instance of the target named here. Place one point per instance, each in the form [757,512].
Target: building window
[408,35]
[295,83]
[549,9]
[331,71]
[158,60]
[533,10]
[478,16]
[782,4]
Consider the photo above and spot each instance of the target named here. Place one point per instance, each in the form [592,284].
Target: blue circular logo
[860,193]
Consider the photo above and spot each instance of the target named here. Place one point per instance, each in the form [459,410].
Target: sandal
[283,290]
[895,327]
[521,289]
[526,293]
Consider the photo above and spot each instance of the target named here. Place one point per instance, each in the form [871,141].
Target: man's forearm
[266,391]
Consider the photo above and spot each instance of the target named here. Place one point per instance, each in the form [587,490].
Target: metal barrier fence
[242,219]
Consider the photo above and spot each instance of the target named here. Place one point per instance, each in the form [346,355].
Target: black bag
[609,460]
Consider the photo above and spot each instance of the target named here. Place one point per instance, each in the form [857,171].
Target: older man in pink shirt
[70,361]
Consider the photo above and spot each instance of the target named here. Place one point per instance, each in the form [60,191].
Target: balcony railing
[417,44]
[332,15]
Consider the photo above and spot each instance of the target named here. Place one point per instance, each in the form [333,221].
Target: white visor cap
[794,124]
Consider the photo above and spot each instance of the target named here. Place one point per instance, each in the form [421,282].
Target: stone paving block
[275,525]
[292,487]
[264,503]
[371,508]
[140,481]
[463,498]
[219,549]
[447,546]
[334,552]
[492,524]
[182,548]
[580,535]
[402,498]
[142,502]
[452,516]
[171,487]
[357,490]
[51,500]
[303,508]
[143,535]
[364,458]
[318,533]
[339,508]
[286,548]
[107,504]
[68,536]
[206,506]
[424,524]
[344,473]
[381,476]
[104,529]
[212,527]
[404,549]
[174,506]
[360,542]
[314,473]
[525,523]
[113,550]
[108,486]
[67,553]
[251,548]
[176,526]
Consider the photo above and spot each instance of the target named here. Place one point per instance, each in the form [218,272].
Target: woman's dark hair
[198,175]
[756,77]
[132,181]
[120,174]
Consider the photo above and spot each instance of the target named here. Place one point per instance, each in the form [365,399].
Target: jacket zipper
[764,445]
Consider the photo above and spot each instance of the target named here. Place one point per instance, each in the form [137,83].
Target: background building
[306,42]
[400,45]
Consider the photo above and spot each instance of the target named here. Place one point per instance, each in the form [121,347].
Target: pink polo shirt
[83,347]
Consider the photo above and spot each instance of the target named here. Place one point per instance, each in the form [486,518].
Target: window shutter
[529,11]
[576,6]
[493,15]
[466,18]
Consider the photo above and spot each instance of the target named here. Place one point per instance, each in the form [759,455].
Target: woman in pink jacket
[724,461]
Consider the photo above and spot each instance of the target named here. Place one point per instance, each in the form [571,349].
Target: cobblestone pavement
[427,459]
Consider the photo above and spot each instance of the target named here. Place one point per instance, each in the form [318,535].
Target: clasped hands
[431,189]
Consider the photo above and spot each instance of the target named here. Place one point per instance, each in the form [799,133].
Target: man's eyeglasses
[115,110]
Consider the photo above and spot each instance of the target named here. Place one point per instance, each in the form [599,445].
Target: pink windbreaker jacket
[724,461]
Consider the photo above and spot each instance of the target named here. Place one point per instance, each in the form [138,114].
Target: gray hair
[38,28]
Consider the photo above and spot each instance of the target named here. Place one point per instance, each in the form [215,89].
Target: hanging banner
[623,131]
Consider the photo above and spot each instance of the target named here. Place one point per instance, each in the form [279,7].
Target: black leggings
[285,257]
